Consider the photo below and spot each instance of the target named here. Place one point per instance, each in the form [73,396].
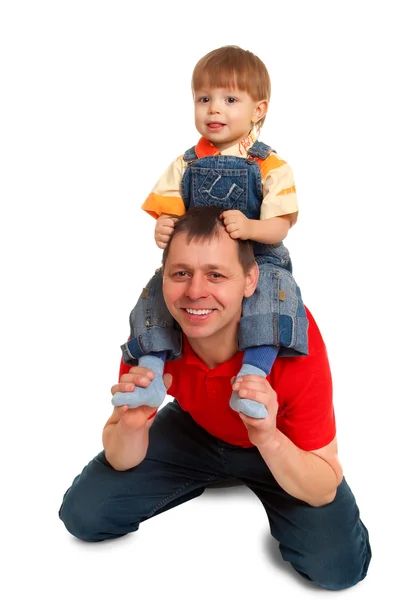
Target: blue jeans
[328,545]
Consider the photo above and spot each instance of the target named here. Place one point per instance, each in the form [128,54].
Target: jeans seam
[223,460]
[366,552]
[176,494]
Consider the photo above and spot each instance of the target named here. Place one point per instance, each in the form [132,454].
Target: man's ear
[251,281]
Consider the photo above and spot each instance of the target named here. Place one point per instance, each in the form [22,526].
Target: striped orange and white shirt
[279,190]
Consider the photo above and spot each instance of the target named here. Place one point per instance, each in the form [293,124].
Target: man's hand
[237,224]
[255,387]
[164,228]
[133,419]
[126,433]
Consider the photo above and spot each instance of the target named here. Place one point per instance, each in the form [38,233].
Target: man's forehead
[187,265]
[212,252]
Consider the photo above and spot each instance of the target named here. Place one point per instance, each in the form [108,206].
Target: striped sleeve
[279,190]
[166,197]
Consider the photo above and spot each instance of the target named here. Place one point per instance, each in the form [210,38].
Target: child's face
[225,116]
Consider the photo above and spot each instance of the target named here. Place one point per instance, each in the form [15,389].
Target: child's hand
[237,224]
[164,229]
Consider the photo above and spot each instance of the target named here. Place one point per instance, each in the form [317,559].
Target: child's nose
[213,107]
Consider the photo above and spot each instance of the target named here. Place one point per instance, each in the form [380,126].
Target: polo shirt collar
[205,148]
[228,368]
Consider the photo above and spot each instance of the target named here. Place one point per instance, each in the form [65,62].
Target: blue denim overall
[274,315]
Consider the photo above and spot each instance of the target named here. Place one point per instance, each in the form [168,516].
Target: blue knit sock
[256,361]
[154,393]
[262,357]
[162,355]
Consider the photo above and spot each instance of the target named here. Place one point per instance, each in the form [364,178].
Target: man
[152,463]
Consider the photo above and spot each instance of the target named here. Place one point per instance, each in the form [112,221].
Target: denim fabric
[273,316]
[230,182]
[328,545]
[152,327]
[275,312]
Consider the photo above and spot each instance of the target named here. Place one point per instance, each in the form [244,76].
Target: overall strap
[190,155]
[260,150]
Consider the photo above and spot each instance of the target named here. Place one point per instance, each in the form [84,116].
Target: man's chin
[196,331]
[196,323]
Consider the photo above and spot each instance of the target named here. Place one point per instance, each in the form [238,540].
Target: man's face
[204,285]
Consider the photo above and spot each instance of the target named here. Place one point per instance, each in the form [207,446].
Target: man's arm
[310,476]
[126,433]
[126,437]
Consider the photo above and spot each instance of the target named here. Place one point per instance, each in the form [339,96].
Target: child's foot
[251,408]
[153,395]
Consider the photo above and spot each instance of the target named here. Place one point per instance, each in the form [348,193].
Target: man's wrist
[271,445]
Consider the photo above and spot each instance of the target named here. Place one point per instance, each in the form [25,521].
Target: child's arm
[165,202]
[165,197]
[267,231]
[278,211]
[164,227]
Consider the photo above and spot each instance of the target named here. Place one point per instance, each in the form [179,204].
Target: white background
[95,102]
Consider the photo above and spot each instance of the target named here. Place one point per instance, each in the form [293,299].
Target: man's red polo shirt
[303,386]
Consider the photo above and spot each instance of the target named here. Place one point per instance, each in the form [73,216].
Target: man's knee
[337,568]
[79,519]
[86,521]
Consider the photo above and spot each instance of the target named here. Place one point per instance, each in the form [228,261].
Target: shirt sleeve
[166,196]
[279,190]
[304,387]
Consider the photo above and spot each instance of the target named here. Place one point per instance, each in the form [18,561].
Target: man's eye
[180,274]
[215,276]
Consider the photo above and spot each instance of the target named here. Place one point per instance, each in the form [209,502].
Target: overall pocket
[226,188]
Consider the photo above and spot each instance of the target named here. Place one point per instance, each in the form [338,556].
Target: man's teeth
[203,311]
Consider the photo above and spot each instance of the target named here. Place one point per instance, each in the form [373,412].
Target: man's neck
[216,350]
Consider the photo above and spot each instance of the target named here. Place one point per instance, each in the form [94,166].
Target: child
[255,190]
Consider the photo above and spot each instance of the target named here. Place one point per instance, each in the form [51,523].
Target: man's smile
[197,315]
[199,311]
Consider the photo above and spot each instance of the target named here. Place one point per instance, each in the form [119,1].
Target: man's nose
[197,287]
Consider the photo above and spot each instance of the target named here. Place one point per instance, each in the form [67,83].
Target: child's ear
[260,111]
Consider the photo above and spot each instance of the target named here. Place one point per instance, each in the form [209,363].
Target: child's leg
[273,320]
[154,393]
[154,338]
[257,360]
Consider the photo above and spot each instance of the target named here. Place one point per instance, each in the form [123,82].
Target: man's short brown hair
[203,223]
